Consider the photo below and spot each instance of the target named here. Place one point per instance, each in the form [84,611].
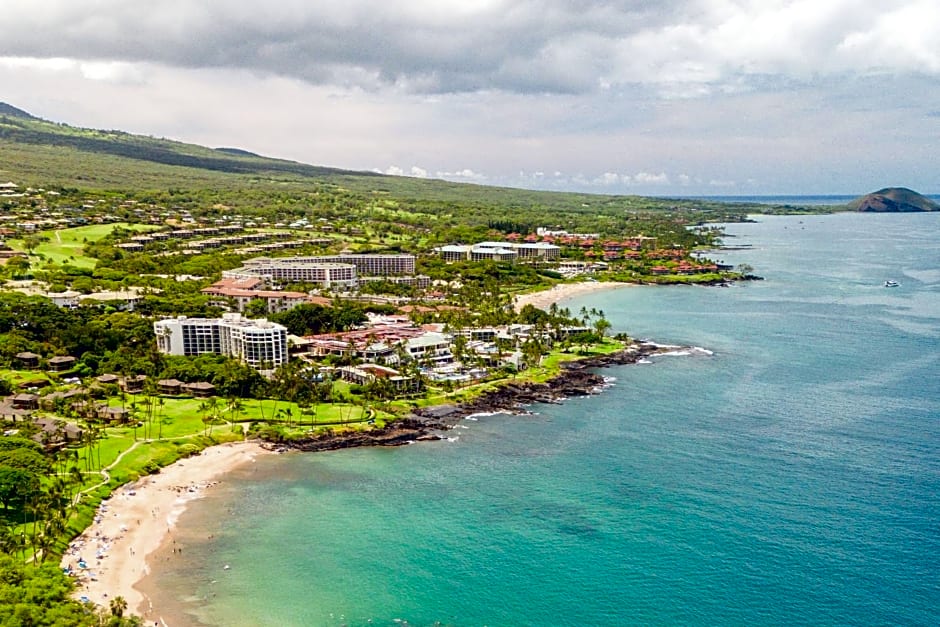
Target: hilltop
[893,200]
[12,111]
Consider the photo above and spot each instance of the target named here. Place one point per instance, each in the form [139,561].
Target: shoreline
[136,521]
[544,298]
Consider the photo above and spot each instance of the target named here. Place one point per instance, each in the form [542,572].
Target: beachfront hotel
[498,251]
[257,342]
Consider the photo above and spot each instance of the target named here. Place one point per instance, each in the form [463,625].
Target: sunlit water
[792,477]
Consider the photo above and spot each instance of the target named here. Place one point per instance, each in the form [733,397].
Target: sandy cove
[561,291]
[136,520]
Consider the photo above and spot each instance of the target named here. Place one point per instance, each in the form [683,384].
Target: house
[108,379]
[134,384]
[49,401]
[27,360]
[112,414]
[54,432]
[170,387]
[9,412]
[24,400]
[61,363]
[200,388]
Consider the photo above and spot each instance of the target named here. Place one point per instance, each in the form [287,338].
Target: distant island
[893,200]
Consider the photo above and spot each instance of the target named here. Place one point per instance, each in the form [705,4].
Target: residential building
[259,343]
[328,271]
[238,298]
[298,270]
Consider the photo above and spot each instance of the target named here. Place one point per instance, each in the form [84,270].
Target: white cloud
[647,178]
[638,96]
[465,175]
[687,48]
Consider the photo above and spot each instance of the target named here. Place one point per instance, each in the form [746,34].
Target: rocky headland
[577,378]
[893,200]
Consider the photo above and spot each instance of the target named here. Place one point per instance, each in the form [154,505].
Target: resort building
[325,274]
[238,298]
[365,374]
[498,251]
[375,265]
[258,343]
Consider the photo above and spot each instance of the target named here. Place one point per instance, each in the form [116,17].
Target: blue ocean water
[791,477]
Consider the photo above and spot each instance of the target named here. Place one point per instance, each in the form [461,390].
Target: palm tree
[235,406]
[160,403]
[118,606]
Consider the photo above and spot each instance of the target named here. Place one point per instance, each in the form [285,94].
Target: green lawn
[64,246]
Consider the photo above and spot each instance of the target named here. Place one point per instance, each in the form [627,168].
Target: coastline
[561,291]
[137,522]
[138,518]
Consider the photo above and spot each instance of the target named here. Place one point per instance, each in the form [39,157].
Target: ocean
[788,474]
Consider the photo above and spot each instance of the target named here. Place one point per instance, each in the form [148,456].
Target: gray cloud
[686,48]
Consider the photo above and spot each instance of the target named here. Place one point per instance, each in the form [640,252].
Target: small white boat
[890,283]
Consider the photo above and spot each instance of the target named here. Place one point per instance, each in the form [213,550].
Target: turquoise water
[791,477]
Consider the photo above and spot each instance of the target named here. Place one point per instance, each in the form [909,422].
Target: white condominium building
[376,265]
[258,343]
[298,269]
[337,269]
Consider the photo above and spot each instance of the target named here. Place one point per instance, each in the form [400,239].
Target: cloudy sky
[659,97]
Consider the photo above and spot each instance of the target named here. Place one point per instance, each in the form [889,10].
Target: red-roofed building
[239,298]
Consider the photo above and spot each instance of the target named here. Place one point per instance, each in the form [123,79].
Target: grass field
[65,246]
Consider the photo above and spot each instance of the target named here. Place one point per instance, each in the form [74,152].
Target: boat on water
[890,283]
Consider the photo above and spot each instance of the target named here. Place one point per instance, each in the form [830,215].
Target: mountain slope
[37,152]
[893,200]
[12,111]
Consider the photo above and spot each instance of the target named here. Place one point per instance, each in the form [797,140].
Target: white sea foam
[686,352]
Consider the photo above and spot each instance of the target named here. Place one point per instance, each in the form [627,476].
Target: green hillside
[37,152]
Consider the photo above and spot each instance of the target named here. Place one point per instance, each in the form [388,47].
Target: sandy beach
[137,518]
[545,298]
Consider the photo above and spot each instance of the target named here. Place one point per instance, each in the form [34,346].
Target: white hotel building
[258,343]
[336,271]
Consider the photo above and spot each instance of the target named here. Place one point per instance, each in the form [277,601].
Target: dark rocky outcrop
[893,200]
[576,379]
